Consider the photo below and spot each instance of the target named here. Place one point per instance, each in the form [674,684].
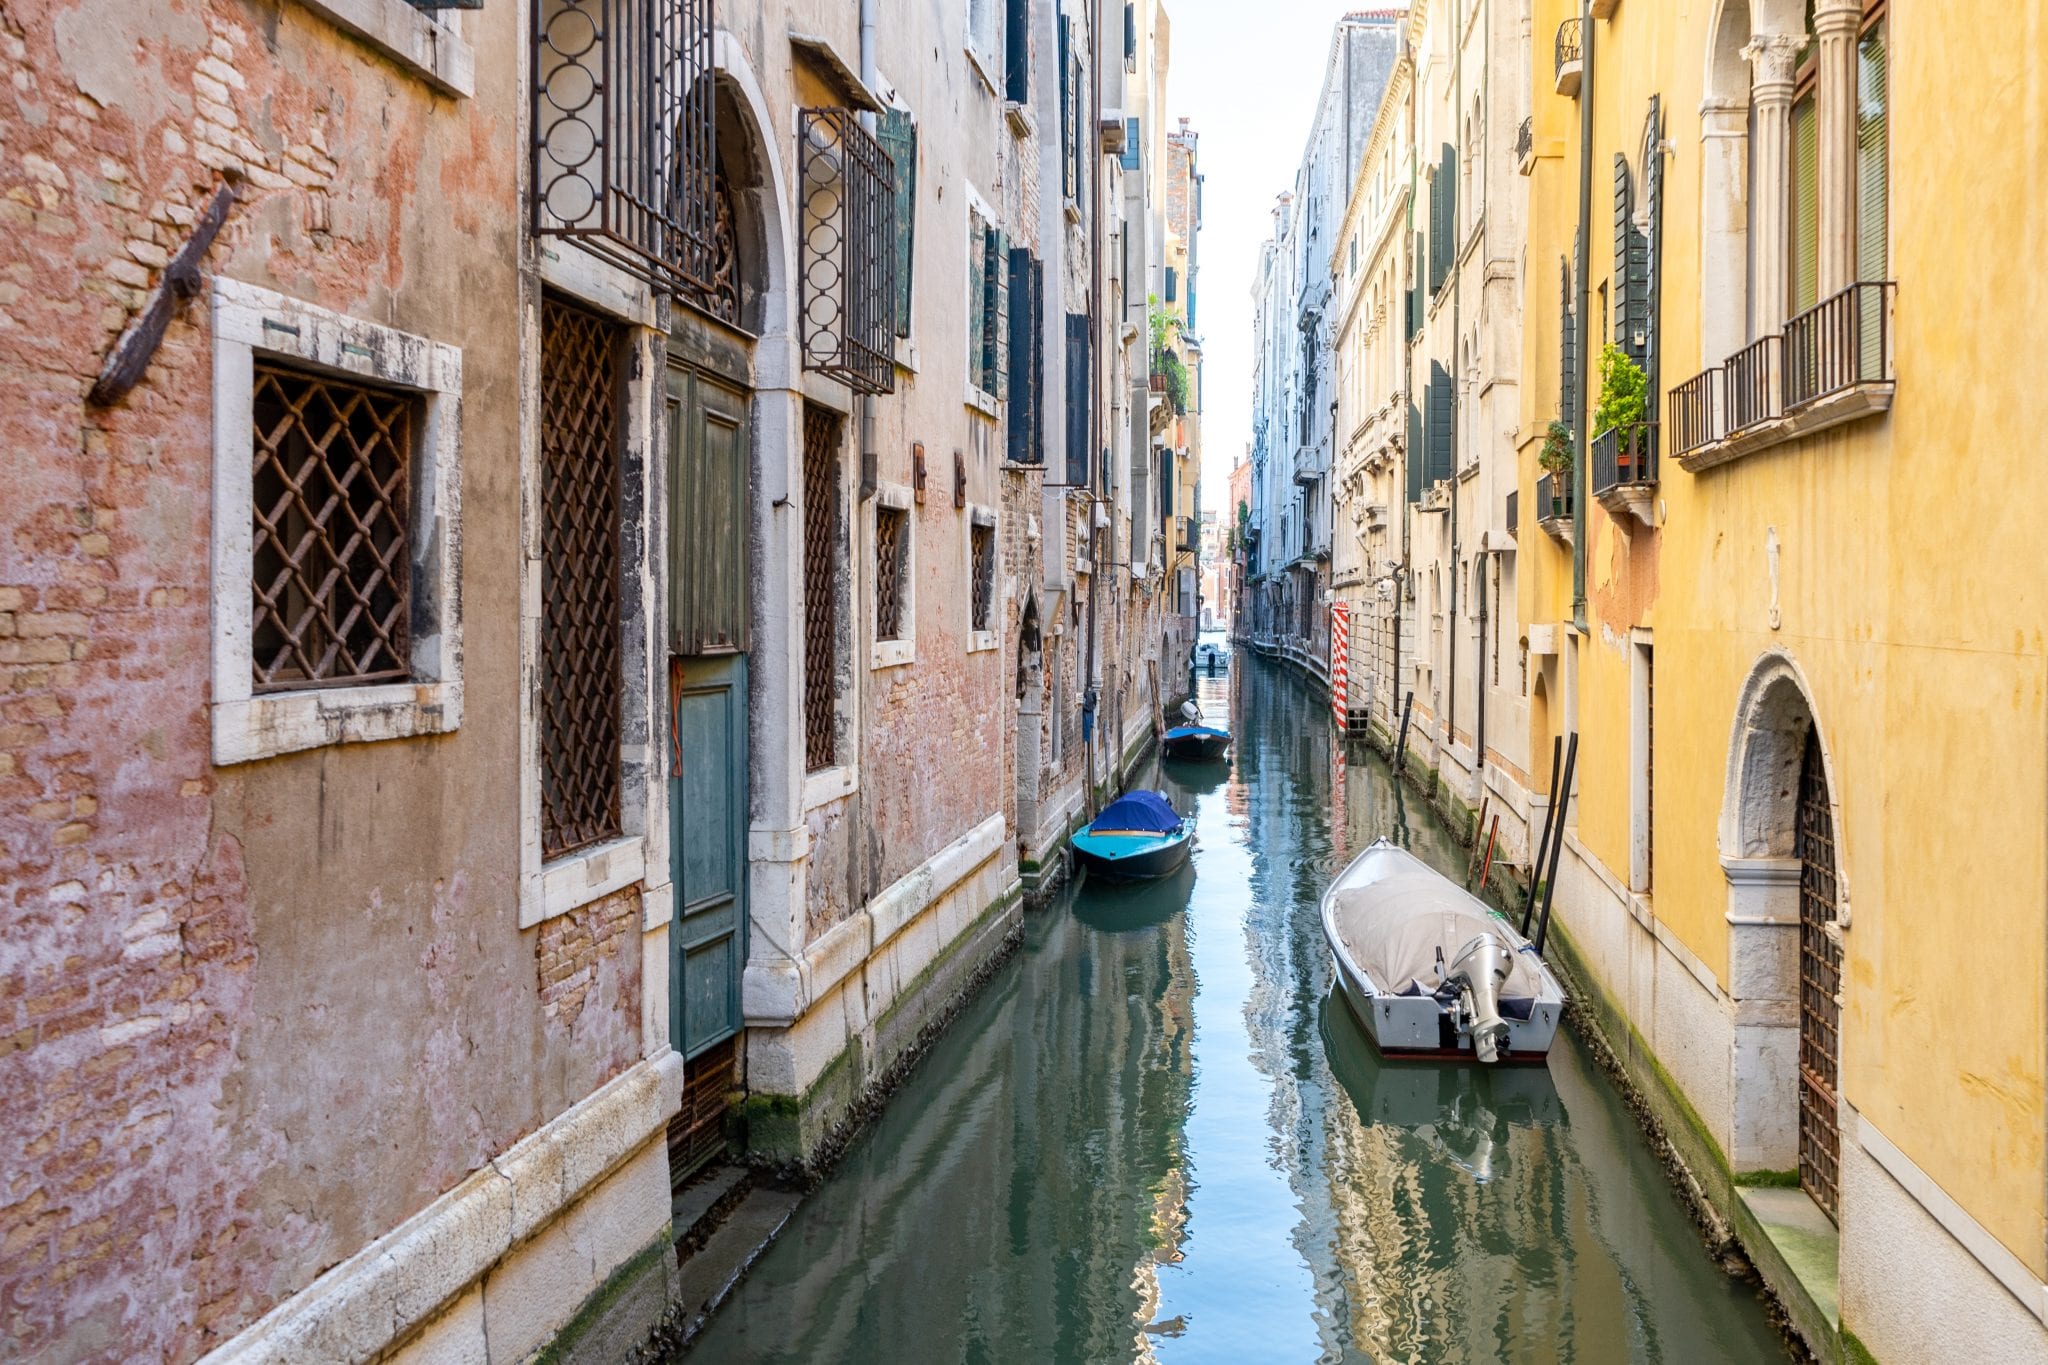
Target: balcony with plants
[1554,487]
[1624,446]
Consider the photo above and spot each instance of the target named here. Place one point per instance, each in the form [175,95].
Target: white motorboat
[1431,970]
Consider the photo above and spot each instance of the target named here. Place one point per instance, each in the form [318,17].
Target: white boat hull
[1423,1026]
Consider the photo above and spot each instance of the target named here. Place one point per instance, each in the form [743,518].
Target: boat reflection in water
[1464,1114]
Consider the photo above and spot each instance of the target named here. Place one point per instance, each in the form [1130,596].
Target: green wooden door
[708,849]
[708,518]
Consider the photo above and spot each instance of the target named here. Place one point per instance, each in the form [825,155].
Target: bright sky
[1247,73]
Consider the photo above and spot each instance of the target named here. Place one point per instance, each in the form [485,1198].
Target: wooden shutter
[1080,393]
[1172,284]
[1873,108]
[1441,431]
[1414,453]
[1803,273]
[1631,268]
[1066,106]
[1017,52]
[995,316]
[1026,402]
[1653,245]
[898,136]
[1568,350]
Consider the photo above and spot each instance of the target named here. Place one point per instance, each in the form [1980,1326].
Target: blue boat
[1138,836]
[1200,742]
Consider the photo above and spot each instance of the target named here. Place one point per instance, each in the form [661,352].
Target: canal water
[1157,1135]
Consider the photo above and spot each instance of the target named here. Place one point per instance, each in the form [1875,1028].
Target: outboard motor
[1479,970]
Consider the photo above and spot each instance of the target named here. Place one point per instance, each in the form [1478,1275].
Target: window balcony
[1525,146]
[1569,64]
[1554,506]
[1832,364]
[1625,470]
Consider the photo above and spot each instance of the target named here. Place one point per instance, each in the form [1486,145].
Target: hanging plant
[1556,455]
[1624,391]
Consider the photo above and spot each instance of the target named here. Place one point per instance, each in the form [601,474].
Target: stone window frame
[894,497]
[557,886]
[980,641]
[250,322]
[422,42]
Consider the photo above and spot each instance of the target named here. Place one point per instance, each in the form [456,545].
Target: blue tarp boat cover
[1136,812]
[1188,731]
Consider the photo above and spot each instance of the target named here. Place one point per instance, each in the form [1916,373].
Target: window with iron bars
[981,545]
[892,554]
[849,251]
[821,587]
[580,381]
[332,599]
[624,135]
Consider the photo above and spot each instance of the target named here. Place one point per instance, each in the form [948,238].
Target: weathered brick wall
[589,959]
[252,1017]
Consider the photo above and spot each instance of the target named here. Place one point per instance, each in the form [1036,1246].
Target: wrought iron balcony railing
[1515,513]
[1568,60]
[1696,412]
[1624,457]
[1840,342]
[1525,143]
[1554,497]
[1751,384]
[624,138]
[848,251]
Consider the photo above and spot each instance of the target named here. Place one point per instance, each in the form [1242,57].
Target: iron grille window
[579,535]
[821,586]
[892,549]
[332,466]
[1820,983]
[981,542]
[849,251]
[624,136]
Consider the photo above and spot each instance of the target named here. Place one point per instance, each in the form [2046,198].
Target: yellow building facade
[1791,610]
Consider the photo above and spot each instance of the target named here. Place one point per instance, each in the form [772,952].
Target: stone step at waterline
[710,1273]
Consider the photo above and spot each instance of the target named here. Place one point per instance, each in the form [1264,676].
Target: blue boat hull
[1125,857]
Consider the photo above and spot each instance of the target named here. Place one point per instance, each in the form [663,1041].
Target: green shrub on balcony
[1624,392]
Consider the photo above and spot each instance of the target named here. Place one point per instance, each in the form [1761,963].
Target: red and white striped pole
[1340,664]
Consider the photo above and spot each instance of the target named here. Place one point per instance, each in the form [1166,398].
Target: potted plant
[1556,459]
[1623,407]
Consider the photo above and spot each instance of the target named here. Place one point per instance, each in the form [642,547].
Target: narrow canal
[1156,1134]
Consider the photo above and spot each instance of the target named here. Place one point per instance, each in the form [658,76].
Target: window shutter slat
[1079,396]
[996,346]
[898,136]
[1414,453]
[1017,53]
[1872,151]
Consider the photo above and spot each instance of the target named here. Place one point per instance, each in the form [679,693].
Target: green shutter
[1803,275]
[1568,350]
[1872,172]
[1413,454]
[1066,107]
[898,136]
[1440,421]
[977,301]
[995,352]
[1653,245]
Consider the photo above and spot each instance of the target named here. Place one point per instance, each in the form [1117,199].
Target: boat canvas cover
[1137,813]
[1393,930]
[1191,731]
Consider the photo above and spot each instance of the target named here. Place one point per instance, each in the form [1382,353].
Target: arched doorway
[708,427]
[1820,984]
[1787,909]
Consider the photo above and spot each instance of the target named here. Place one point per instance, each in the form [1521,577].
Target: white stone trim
[417,41]
[397,1283]
[248,320]
[1974,1237]
[780,991]
[826,785]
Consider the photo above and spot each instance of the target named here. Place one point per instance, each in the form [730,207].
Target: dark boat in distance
[1137,837]
[1200,743]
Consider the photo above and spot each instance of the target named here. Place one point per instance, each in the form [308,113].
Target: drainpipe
[1485,484]
[1092,697]
[859,873]
[1457,378]
[1584,378]
[1405,573]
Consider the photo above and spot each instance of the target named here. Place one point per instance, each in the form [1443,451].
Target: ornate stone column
[1773,57]
[1834,24]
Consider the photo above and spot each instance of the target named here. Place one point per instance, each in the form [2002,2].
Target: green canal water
[1157,1135]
